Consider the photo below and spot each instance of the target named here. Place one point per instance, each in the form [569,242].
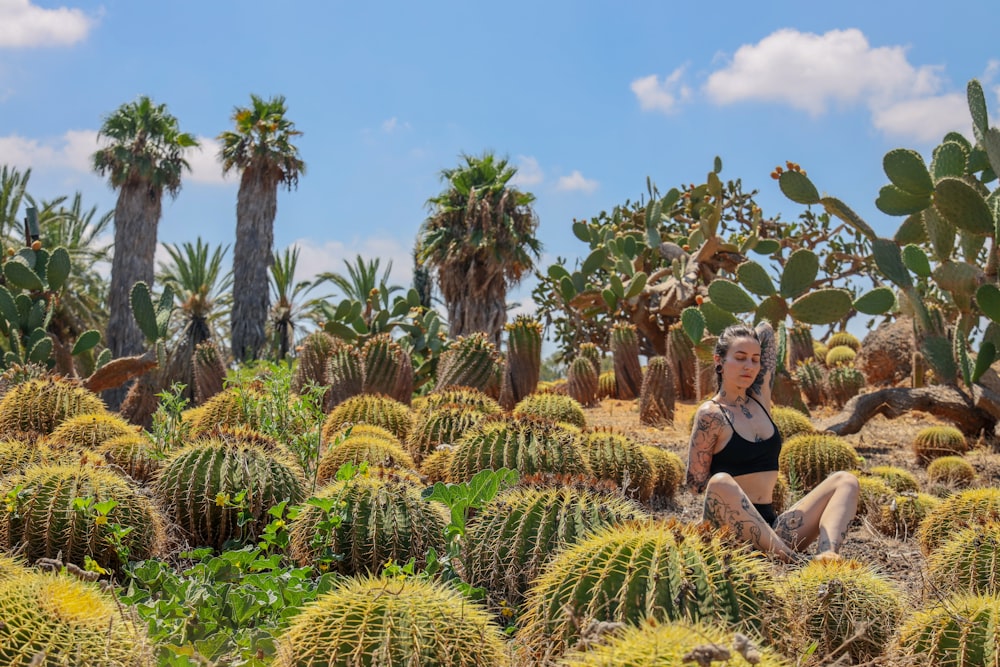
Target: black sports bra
[742,457]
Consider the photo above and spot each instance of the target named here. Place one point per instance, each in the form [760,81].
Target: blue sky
[587,98]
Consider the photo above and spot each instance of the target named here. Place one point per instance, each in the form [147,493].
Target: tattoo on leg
[826,544]
[787,527]
[719,513]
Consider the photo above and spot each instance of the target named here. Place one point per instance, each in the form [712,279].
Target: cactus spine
[683,363]
[582,382]
[509,541]
[658,397]
[523,366]
[807,459]
[369,622]
[626,573]
[625,352]
[209,371]
[960,630]
[471,361]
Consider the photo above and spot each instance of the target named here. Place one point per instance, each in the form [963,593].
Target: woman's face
[742,363]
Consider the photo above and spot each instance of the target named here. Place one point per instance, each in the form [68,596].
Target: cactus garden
[390,478]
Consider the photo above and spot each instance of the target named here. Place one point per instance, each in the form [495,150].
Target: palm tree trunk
[256,208]
[478,303]
[137,216]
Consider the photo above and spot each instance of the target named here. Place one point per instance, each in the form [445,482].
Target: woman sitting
[733,458]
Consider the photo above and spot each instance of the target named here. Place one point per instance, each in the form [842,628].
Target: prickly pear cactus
[658,396]
[959,630]
[46,516]
[554,407]
[656,643]
[522,444]
[625,353]
[807,459]
[630,572]
[582,382]
[372,622]
[358,449]
[517,532]
[951,471]
[382,520]
[218,491]
[968,562]
[88,431]
[934,441]
[618,458]
[969,508]
[67,622]
[471,361]
[41,405]
[844,607]
[382,411]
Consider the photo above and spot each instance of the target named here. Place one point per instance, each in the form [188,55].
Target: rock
[886,355]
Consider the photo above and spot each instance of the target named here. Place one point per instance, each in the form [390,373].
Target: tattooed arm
[768,362]
[708,427]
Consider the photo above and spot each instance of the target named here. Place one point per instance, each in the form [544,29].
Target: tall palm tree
[261,148]
[200,285]
[480,240]
[143,157]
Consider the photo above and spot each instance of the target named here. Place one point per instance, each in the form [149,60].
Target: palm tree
[261,149]
[289,310]
[143,158]
[199,284]
[480,241]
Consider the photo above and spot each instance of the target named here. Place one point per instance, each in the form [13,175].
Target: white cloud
[528,172]
[576,182]
[666,96]
[205,165]
[925,119]
[74,151]
[393,124]
[316,258]
[23,24]
[812,72]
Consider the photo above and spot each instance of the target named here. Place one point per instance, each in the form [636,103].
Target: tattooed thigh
[787,526]
[745,525]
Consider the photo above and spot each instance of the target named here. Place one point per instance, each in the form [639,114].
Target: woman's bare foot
[827,556]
